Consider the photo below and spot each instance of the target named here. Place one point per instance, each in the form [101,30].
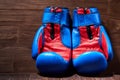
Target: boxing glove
[91,46]
[51,46]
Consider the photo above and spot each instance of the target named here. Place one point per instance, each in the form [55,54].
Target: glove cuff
[86,17]
[56,15]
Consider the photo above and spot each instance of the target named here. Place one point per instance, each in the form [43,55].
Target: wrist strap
[57,16]
[86,19]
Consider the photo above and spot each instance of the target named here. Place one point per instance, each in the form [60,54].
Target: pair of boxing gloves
[85,43]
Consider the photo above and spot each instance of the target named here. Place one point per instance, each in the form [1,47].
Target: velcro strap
[59,17]
[86,19]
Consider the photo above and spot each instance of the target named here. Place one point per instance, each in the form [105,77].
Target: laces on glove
[89,32]
[54,10]
[52,32]
[85,11]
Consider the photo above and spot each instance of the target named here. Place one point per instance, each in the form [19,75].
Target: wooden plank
[20,77]
[116,77]
[115,39]
[14,76]
[25,19]
[23,61]
[114,5]
[102,5]
[8,36]
[4,76]
[21,12]
[25,40]
[114,26]
[72,77]
[25,4]
[74,4]
[26,35]
[16,60]
[6,67]
[114,65]
[104,20]
[35,76]
[11,18]
[23,65]
[18,23]
[6,64]
[117,52]
[107,78]
[14,51]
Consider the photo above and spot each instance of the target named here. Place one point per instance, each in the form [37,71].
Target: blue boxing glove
[51,46]
[90,43]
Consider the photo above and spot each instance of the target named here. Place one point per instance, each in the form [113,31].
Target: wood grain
[34,76]
[102,5]
[20,19]
[114,6]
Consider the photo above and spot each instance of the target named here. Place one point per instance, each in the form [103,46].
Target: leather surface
[56,44]
[106,43]
[90,55]
[86,44]
[91,62]
[53,55]
[86,19]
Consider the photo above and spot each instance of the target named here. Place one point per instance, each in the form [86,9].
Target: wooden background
[19,20]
